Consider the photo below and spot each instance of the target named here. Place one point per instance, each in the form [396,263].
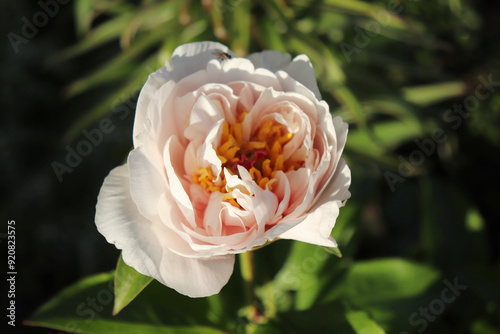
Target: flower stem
[247,268]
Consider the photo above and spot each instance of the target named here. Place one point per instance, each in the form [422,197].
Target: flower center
[261,156]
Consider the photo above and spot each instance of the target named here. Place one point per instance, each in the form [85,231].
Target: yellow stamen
[275,151]
[279,164]
[255,145]
[238,134]
[229,155]
[262,153]
[263,182]
[227,145]
[284,139]
[266,167]
[264,131]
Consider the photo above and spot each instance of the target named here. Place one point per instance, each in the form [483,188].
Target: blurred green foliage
[411,79]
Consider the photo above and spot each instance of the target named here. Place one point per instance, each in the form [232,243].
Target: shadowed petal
[118,219]
[196,277]
[318,225]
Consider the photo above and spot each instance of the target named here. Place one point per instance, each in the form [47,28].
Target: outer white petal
[338,188]
[118,219]
[290,84]
[147,183]
[195,277]
[310,229]
[273,60]
[318,225]
[192,57]
[341,129]
[154,82]
[301,70]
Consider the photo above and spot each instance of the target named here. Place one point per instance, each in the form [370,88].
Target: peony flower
[229,154]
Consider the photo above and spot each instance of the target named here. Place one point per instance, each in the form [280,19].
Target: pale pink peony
[229,154]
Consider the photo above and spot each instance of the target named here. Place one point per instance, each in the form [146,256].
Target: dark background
[56,240]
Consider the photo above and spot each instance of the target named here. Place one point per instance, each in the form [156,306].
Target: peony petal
[200,244]
[312,229]
[238,69]
[341,129]
[276,231]
[299,181]
[282,191]
[206,153]
[317,227]
[335,135]
[147,183]
[212,218]
[195,277]
[177,183]
[290,85]
[300,68]
[119,221]
[190,160]
[204,115]
[272,60]
[193,57]
[338,188]
[154,82]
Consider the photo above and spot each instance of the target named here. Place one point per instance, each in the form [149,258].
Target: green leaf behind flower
[390,290]
[128,284]
[86,307]
[362,323]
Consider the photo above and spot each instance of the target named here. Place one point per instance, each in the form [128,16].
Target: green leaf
[307,270]
[154,17]
[119,95]
[241,21]
[379,280]
[320,319]
[362,323]
[86,307]
[119,67]
[425,95]
[354,7]
[386,135]
[488,324]
[128,284]
[347,99]
[269,35]
[389,105]
[83,15]
[100,35]
[389,290]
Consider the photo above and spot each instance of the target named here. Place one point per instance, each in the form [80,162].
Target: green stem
[247,268]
